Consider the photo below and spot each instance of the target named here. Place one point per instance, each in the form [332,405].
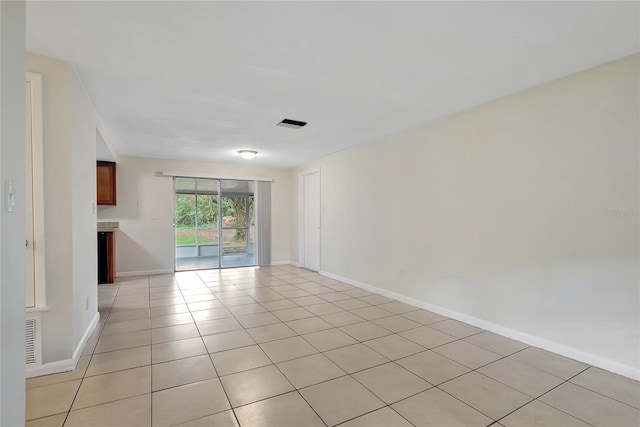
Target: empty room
[292,213]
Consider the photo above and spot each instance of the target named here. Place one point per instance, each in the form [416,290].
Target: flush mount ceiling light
[293,124]
[247,154]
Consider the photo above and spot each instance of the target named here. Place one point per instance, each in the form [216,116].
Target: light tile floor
[282,346]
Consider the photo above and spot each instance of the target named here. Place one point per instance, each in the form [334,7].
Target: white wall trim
[144,272]
[56,367]
[216,176]
[38,191]
[39,309]
[552,346]
[85,338]
[295,264]
[65,364]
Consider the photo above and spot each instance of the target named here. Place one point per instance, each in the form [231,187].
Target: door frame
[37,175]
[247,218]
[301,233]
[219,227]
[219,194]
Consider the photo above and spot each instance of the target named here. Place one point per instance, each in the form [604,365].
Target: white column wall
[12,224]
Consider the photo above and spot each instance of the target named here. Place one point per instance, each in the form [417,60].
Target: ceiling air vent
[293,124]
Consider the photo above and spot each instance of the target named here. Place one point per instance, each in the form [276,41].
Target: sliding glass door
[214,223]
[237,220]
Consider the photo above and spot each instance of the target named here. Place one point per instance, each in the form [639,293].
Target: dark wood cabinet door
[106,183]
[106,270]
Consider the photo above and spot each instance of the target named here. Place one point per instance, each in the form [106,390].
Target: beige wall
[70,124]
[501,214]
[144,244]
[12,224]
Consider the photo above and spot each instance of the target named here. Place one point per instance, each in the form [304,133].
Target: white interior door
[311,221]
[30,277]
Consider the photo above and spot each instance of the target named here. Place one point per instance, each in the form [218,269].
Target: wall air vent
[30,341]
[33,343]
[293,124]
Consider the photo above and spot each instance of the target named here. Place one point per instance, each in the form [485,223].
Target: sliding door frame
[195,194]
[219,194]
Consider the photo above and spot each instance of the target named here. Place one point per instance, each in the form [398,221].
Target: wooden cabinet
[106,181]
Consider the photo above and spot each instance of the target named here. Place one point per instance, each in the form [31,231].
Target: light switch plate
[11,196]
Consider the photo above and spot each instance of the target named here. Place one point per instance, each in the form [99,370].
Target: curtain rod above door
[216,176]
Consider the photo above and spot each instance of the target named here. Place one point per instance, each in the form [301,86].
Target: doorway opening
[214,223]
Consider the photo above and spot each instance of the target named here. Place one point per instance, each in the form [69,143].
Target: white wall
[501,215]
[85,248]
[147,245]
[12,224]
[70,124]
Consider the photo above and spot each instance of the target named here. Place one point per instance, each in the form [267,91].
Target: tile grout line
[548,391]
[498,381]
[322,353]
[295,389]
[297,334]
[224,390]
[597,392]
[90,359]
[347,374]
[93,353]
[150,355]
[216,370]
[372,321]
[426,349]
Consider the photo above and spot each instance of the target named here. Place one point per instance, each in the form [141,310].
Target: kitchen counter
[108,226]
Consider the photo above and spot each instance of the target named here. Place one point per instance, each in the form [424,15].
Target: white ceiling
[200,80]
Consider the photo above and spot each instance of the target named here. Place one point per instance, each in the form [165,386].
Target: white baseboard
[295,264]
[85,337]
[65,364]
[536,341]
[51,368]
[144,272]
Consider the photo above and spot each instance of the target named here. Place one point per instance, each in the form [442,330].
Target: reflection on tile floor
[282,346]
[205,262]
